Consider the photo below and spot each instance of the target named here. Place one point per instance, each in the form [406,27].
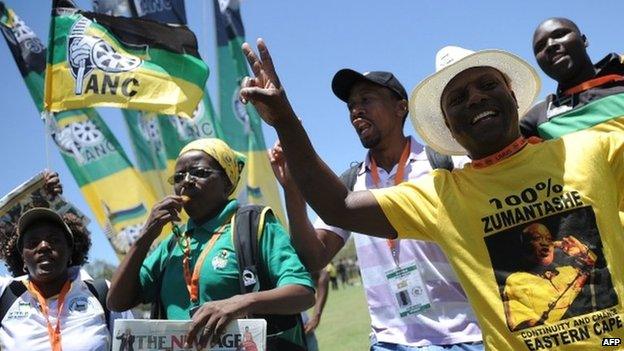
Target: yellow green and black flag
[91,152]
[157,139]
[241,124]
[100,60]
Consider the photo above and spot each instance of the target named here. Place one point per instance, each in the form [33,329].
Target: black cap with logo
[345,79]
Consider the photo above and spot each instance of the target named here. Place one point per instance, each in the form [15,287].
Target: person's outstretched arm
[315,247]
[357,211]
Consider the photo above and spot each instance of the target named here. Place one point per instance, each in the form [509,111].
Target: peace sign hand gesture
[264,90]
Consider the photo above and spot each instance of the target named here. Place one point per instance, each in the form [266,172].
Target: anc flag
[158,139]
[603,114]
[91,152]
[101,60]
[241,124]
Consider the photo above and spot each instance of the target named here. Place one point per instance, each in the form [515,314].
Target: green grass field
[345,323]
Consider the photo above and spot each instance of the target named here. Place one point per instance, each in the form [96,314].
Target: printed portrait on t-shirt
[551,269]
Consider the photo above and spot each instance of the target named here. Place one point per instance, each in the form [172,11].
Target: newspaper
[143,334]
[32,194]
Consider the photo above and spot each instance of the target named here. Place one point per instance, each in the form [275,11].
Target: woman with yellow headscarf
[198,277]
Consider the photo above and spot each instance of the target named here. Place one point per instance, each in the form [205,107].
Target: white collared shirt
[83,325]
[450,320]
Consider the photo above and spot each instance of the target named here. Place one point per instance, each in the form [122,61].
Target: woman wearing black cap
[52,307]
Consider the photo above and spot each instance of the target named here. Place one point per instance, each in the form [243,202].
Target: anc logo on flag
[87,52]
[100,60]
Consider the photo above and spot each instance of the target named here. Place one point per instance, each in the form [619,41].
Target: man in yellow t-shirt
[571,186]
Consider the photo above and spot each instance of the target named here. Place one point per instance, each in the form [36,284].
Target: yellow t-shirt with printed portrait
[572,186]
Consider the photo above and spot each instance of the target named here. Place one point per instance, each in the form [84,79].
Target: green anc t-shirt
[279,266]
[535,240]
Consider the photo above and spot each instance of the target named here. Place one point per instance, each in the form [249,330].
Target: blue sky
[310,41]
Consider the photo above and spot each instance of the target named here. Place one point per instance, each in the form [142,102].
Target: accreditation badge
[409,290]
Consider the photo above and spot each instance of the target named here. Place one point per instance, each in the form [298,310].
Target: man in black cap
[441,314]
[561,52]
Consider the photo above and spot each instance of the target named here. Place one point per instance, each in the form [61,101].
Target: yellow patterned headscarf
[231,161]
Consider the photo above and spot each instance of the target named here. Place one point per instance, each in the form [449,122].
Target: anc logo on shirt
[79,304]
[220,260]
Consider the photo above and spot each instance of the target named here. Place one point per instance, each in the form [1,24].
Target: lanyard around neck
[54,333]
[398,179]
[509,150]
[192,280]
[592,83]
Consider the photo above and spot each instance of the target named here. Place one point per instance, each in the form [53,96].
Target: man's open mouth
[362,126]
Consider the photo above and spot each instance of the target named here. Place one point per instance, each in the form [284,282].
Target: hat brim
[424,104]
[343,82]
[37,214]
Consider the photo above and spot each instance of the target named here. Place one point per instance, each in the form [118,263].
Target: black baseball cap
[41,214]
[345,79]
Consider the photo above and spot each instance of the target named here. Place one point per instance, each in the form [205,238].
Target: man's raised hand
[264,89]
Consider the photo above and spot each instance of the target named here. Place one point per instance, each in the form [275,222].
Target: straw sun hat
[424,104]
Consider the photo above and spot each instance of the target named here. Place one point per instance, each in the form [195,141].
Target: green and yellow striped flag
[241,124]
[100,60]
[604,114]
[158,139]
[90,150]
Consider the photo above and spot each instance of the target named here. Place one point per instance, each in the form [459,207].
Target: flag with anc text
[107,179]
[101,60]
[158,139]
[241,124]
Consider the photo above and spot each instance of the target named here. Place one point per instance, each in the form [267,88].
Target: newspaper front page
[143,335]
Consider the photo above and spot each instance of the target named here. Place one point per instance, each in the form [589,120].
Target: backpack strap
[349,176]
[99,288]
[247,228]
[438,160]
[14,290]
[157,310]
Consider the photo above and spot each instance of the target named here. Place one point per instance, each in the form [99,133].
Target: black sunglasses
[194,174]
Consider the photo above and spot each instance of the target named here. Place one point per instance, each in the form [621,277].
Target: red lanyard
[398,179]
[192,281]
[506,152]
[54,333]
[592,83]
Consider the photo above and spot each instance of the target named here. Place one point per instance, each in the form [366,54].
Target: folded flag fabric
[241,124]
[111,186]
[100,60]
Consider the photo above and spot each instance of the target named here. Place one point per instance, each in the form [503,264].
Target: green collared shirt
[218,279]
